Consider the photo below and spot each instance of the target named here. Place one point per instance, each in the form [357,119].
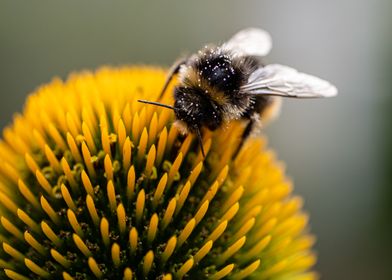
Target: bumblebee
[229,82]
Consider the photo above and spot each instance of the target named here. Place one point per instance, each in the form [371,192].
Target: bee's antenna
[200,141]
[156,104]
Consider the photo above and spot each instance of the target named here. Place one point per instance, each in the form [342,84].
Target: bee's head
[194,110]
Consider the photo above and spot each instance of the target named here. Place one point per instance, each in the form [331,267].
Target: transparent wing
[250,41]
[280,80]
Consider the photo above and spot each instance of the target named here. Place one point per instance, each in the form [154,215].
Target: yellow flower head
[96,185]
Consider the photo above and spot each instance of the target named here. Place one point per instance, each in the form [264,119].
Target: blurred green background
[336,150]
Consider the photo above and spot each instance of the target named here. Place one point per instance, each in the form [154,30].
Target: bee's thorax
[218,75]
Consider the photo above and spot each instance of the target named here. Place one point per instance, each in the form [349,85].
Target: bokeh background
[338,151]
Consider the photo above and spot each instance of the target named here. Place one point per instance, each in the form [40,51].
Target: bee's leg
[254,121]
[173,71]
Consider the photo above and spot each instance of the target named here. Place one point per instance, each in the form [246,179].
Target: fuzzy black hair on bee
[195,109]
[217,74]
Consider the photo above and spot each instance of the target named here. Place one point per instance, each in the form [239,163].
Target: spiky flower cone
[96,185]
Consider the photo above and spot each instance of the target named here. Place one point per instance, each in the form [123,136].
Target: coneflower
[94,185]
